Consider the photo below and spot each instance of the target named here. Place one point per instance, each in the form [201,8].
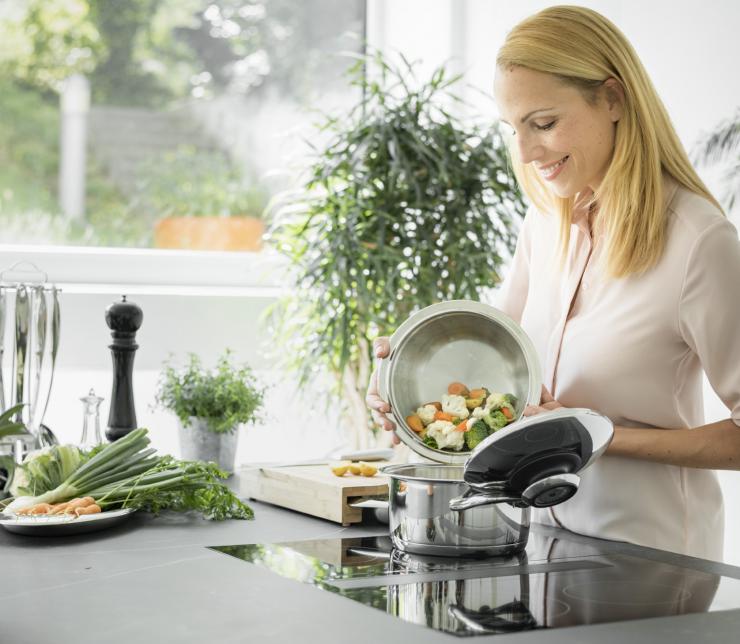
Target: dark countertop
[152,579]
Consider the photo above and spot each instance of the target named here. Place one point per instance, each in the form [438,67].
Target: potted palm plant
[722,146]
[210,406]
[200,202]
[404,205]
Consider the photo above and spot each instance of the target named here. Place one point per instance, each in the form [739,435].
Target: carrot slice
[462,427]
[415,423]
[505,411]
[443,415]
[457,389]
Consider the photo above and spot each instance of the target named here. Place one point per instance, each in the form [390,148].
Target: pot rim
[395,471]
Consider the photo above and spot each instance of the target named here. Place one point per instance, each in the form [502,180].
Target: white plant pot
[198,443]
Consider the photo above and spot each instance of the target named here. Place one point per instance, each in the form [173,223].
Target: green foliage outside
[29,161]
[405,206]
[225,396]
[188,182]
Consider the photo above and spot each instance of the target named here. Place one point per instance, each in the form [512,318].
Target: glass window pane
[161,123]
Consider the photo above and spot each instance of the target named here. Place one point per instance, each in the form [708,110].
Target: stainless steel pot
[422,522]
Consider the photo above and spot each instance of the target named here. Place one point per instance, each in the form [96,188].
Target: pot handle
[473,499]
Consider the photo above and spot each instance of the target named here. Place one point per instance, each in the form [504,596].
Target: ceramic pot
[198,443]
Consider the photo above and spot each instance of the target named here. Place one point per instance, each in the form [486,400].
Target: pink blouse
[634,349]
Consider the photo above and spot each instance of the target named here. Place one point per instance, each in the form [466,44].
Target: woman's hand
[379,407]
[547,403]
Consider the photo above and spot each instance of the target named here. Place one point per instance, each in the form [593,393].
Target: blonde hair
[583,49]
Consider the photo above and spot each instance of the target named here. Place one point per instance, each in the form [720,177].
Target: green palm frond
[720,144]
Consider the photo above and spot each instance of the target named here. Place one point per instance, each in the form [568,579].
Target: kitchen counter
[153,580]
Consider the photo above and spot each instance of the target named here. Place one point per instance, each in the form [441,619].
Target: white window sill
[100,270]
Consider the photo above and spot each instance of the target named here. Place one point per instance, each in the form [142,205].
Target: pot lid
[539,451]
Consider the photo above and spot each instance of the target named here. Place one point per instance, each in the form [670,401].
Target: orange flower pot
[209,233]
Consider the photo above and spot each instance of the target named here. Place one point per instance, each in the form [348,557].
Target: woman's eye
[547,126]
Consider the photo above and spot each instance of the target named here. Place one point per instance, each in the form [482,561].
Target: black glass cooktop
[554,583]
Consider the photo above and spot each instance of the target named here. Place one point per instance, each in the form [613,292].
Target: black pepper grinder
[124,319]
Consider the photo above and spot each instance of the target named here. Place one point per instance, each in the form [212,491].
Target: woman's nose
[529,149]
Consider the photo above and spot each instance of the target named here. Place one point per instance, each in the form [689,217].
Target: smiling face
[568,139]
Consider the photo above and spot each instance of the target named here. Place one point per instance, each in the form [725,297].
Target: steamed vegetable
[464,417]
[476,434]
[128,474]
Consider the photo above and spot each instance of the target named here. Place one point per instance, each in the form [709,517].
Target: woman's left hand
[547,403]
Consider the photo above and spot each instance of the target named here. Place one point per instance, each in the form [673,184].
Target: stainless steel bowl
[458,340]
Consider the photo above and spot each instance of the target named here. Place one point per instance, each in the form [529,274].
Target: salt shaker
[91,422]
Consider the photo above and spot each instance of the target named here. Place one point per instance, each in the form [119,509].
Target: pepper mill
[124,319]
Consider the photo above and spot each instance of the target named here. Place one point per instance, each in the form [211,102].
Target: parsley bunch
[225,396]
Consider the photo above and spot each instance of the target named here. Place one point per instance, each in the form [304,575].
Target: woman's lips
[551,171]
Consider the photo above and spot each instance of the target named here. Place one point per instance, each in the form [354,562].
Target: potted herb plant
[200,202]
[404,205]
[210,406]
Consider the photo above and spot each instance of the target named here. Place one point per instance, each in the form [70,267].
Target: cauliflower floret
[426,413]
[479,412]
[455,405]
[446,435]
[495,401]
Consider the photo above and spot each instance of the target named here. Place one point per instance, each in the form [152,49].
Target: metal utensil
[21,348]
[3,311]
[38,311]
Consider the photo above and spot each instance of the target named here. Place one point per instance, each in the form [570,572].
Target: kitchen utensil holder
[29,341]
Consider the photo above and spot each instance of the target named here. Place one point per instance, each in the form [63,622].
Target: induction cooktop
[554,583]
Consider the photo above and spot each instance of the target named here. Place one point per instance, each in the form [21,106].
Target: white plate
[59,525]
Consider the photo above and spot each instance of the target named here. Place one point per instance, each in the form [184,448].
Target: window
[160,123]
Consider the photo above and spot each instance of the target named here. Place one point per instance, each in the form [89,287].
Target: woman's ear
[614,95]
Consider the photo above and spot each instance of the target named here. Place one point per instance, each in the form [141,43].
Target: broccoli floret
[430,442]
[478,432]
[511,400]
[495,419]
[472,403]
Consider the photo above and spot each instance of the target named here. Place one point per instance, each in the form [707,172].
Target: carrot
[462,427]
[39,508]
[94,508]
[415,423]
[59,508]
[478,393]
[505,411]
[443,415]
[457,389]
[78,503]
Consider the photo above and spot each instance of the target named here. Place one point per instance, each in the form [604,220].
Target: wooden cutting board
[313,489]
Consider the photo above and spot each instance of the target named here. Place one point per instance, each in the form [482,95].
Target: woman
[626,277]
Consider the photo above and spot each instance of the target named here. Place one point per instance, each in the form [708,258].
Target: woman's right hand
[379,407]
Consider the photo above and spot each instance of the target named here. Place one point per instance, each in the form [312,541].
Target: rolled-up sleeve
[512,296]
[709,310]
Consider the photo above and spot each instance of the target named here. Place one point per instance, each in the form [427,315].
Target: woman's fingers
[379,407]
[381,347]
[382,421]
[546,396]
